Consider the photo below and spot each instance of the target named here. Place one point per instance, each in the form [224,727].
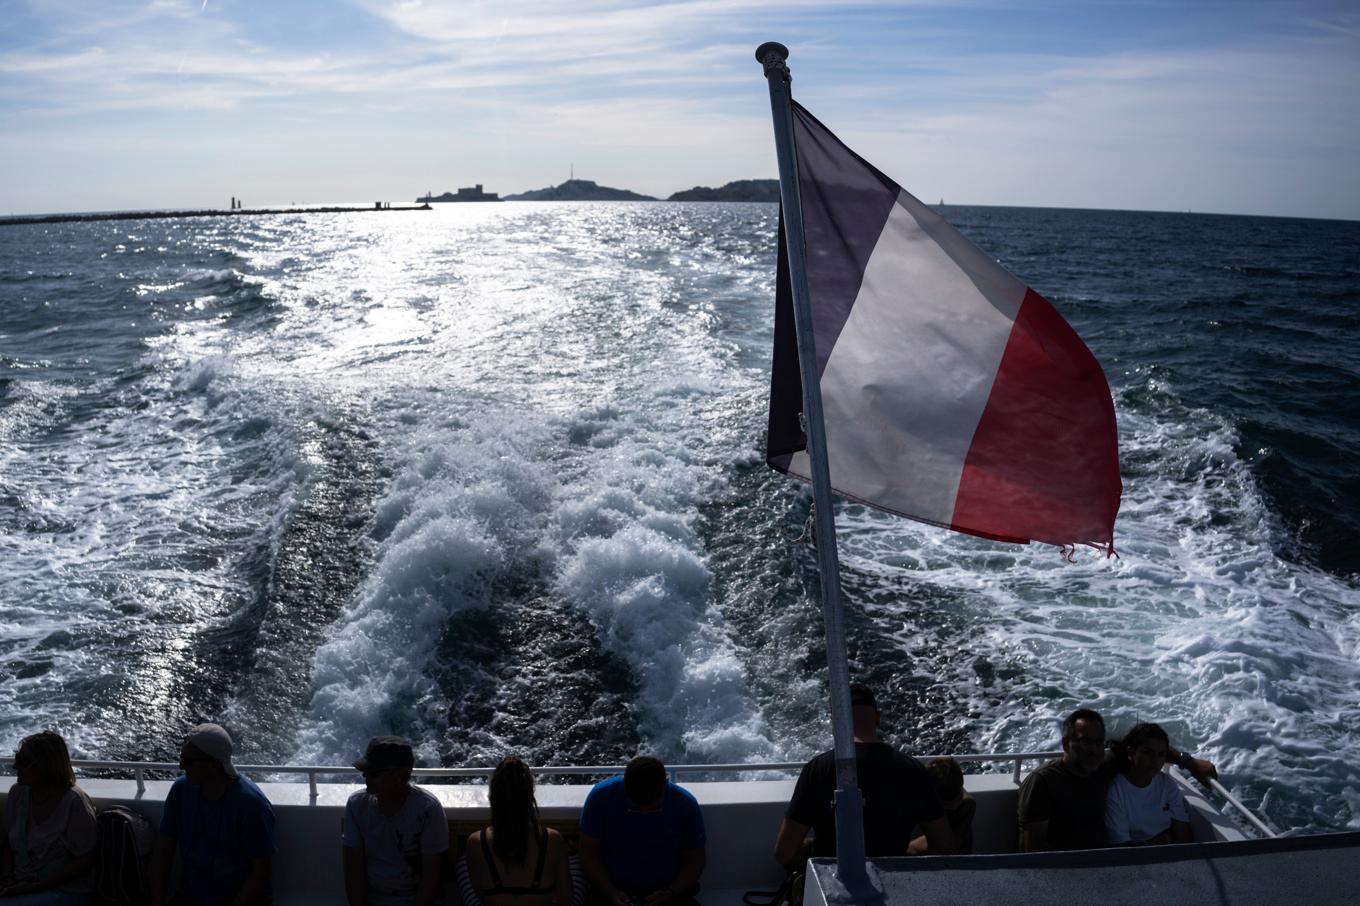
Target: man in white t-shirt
[394,835]
[1143,805]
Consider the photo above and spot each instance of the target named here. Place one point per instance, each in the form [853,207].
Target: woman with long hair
[516,861]
[1143,805]
[47,850]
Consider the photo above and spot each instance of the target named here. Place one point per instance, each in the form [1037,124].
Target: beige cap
[213,741]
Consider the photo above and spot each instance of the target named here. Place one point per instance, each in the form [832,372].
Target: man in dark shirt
[217,825]
[1062,804]
[898,794]
[642,838]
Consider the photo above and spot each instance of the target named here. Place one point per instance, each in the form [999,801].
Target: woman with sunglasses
[516,861]
[47,851]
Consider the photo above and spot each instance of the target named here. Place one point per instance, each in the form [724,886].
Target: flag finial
[772,55]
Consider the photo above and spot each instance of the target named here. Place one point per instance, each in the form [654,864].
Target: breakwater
[214,212]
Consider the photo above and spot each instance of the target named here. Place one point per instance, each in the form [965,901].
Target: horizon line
[304,207]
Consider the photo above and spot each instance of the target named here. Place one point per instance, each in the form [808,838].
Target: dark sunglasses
[197,759]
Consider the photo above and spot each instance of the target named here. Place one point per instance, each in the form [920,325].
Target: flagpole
[850,864]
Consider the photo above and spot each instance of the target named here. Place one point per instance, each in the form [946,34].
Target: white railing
[1251,817]
[139,769]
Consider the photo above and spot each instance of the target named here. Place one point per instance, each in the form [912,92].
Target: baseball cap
[385,752]
[213,741]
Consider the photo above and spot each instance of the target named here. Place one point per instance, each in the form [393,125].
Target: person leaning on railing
[1062,804]
[47,851]
[1144,806]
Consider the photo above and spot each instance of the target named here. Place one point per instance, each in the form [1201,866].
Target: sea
[492,477]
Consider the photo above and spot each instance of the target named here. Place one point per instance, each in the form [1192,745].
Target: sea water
[492,476]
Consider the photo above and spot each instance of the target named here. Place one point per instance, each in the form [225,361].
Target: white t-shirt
[1134,814]
[393,846]
[67,833]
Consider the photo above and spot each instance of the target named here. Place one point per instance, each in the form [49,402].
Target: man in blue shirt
[220,825]
[642,838]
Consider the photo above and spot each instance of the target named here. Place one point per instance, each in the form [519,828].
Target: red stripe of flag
[1043,463]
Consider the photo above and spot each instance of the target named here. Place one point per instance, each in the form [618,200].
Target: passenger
[1144,806]
[220,826]
[516,861]
[642,838]
[959,807]
[47,850]
[898,796]
[1062,804]
[394,835]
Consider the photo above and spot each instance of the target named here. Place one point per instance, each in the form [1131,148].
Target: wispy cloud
[984,101]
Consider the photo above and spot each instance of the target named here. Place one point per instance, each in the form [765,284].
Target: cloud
[936,90]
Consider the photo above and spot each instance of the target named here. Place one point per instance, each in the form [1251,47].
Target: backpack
[790,893]
[125,842]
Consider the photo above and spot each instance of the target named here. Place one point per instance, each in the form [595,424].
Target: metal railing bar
[1247,813]
[138,768]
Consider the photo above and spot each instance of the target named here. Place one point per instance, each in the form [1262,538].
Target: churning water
[492,477]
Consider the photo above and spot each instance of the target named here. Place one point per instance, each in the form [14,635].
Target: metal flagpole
[850,865]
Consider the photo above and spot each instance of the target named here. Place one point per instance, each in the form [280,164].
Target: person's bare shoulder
[473,850]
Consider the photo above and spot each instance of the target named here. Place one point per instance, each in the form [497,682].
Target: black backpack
[125,842]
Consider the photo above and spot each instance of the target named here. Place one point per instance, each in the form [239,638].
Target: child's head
[947,777]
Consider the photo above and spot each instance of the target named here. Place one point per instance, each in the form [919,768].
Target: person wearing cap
[394,835]
[218,824]
[898,795]
[642,838]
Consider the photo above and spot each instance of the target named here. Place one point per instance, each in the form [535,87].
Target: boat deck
[741,819]
[1313,870]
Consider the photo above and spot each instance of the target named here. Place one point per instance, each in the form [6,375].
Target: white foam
[630,559]
[128,548]
[1245,657]
[458,518]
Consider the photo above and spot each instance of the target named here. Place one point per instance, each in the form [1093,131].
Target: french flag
[952,393]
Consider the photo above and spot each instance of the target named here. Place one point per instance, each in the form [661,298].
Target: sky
[1245,107]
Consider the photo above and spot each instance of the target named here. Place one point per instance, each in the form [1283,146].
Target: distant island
[740,190]
[470,193]
[579,190]
[760,190]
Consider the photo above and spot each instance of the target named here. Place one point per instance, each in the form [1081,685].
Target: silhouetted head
[947,777]
[43,760]
[1142,751]
[864,711]
[644,780]
[1083,740]
[514,810]
[386,765]
[206,751]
